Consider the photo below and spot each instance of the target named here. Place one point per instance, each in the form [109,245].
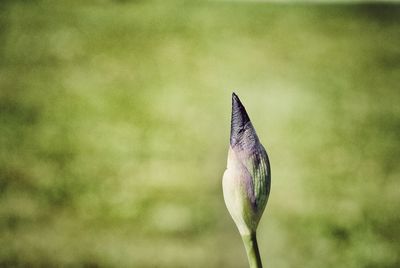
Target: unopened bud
[247,179]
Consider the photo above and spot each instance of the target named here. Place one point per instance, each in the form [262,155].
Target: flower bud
[247,178]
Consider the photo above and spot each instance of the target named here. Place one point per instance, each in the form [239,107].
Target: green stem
[253,255]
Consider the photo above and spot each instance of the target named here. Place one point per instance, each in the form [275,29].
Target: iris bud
[247,179]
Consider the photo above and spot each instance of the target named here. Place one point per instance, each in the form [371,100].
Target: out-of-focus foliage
[114,130]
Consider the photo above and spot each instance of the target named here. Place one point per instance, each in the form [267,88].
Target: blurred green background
[115,120]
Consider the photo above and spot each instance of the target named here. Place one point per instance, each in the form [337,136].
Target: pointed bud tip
[234,96]
[235,100]
[239,119]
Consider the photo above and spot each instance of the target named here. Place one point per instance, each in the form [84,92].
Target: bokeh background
[115,120]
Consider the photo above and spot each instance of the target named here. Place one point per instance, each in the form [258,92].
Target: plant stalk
[253,254]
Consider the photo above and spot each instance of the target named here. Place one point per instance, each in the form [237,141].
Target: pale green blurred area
[115,120]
